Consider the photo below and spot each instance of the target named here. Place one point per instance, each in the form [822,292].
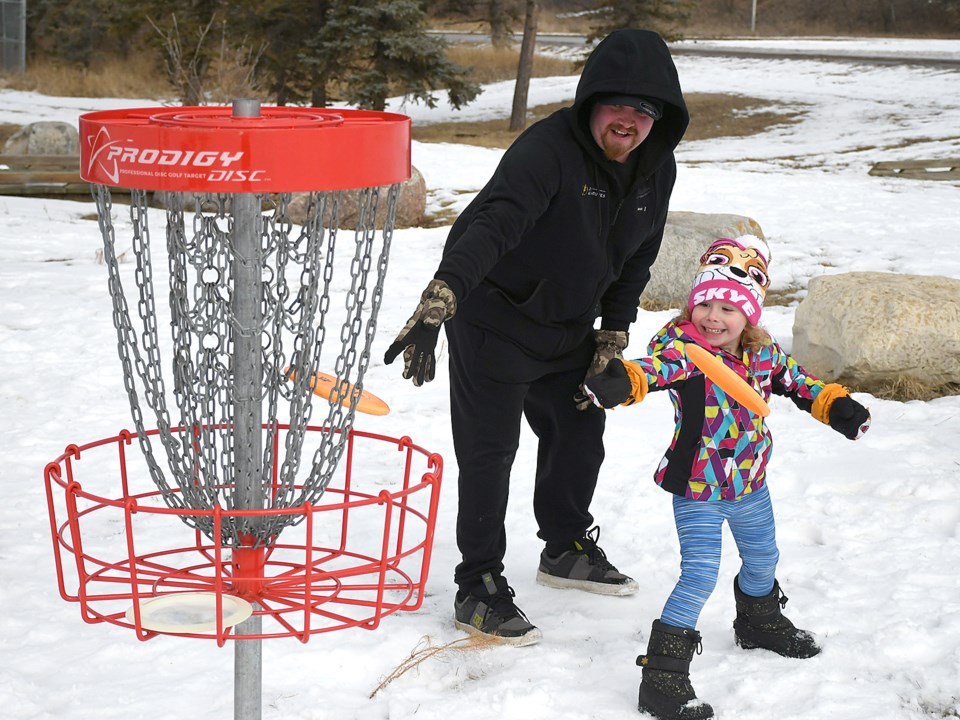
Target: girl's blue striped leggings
[699,526]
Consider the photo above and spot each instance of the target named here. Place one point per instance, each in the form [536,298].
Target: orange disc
[727,380]
[325,385]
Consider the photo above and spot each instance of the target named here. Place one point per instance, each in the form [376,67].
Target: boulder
[411,205]
[874,330]
[685,238]
[44,138]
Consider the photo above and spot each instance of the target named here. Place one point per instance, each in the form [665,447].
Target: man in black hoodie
[563,233]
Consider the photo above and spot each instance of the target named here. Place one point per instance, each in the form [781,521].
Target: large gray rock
[411,205]
[874,330]
[685,238]
[44,138]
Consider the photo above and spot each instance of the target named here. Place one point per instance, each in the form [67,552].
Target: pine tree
[80,32]
[322,51]
[285,27]
[502,14]
[666,17]
[391,54]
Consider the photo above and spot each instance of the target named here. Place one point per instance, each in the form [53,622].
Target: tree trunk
[499,24]
[889,17]
[518,117]
[318,92]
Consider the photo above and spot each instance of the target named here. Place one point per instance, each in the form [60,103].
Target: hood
[636,62]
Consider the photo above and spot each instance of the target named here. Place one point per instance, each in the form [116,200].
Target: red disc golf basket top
[240,518]
[212,150]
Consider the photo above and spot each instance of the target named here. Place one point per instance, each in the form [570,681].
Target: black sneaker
[585,567]
[491,613]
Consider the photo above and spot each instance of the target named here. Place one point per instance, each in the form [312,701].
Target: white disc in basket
[192,612]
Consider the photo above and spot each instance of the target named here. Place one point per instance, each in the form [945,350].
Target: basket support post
[248,368]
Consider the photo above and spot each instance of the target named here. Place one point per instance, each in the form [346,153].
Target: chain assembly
[283,290]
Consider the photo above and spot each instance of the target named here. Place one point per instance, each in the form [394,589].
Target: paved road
[873,57]
[946,56]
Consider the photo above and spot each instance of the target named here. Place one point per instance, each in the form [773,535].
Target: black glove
[418,339]
[610,344]
[849,418]
[611,387]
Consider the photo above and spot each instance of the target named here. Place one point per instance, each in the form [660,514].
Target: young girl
[716,464]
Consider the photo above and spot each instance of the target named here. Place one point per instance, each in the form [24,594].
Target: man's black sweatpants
[493,385]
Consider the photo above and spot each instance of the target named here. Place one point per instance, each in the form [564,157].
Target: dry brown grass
[711,115]
[484,133]
[426,649]
[548,22]
[142,76]
[903,389]
[488,64]
[6,130]
[138,76]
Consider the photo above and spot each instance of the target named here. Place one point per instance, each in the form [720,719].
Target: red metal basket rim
[304,586]
[53,473]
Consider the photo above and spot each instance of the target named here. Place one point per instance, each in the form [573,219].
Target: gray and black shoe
[585,567]
[489,611]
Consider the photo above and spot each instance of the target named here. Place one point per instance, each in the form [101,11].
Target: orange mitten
[620,383]
[638,382]
[823,403]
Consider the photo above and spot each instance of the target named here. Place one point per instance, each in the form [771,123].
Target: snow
[901,49]
[869,533]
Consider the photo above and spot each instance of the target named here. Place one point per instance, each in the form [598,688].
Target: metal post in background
[13,36]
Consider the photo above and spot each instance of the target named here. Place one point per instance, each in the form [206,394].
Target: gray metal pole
[23,37]
[753,17]
[248,386]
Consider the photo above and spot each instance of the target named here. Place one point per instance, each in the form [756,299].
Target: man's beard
[616,151]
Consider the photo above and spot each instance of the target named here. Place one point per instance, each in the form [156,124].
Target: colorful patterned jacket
[719,449]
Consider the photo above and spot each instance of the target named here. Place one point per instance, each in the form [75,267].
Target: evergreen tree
[503,15]
[393,55]
[322,51]
[78,33]
[666,17]
[332,52]
[285,28]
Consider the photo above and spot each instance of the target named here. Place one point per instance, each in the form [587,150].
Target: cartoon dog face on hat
[734,272]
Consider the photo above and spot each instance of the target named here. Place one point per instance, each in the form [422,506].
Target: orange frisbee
[727,380]
[325,385]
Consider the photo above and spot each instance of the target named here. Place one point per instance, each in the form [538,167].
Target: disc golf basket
[254,509]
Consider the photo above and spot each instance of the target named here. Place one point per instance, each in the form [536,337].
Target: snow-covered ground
[903,49]
[869,532]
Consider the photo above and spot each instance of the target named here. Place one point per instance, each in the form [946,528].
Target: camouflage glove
[610,344]
[418,339]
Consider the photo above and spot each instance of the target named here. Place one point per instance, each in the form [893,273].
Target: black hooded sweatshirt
[561,235]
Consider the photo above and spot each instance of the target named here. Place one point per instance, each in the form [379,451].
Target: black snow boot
[760,624]
[665,691]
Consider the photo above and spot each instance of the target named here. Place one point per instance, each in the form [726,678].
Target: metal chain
[297,280]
